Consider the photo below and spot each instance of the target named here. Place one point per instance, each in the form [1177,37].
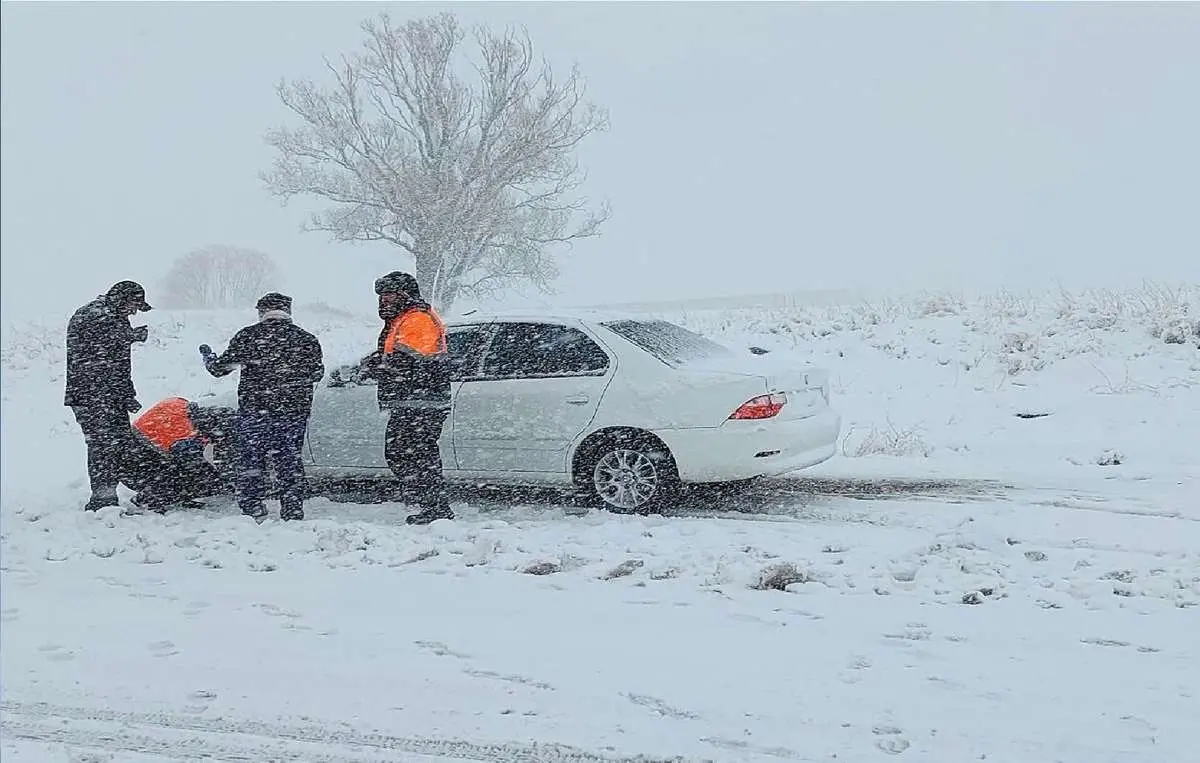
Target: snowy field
[1001,564]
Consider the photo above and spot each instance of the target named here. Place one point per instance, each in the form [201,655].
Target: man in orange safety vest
[410,366]
[177,437]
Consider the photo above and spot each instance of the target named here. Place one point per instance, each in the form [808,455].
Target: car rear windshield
[672,344]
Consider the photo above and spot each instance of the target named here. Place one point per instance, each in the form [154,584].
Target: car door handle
[577,399]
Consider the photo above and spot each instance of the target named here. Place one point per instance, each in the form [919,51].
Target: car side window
[532,350]
[463,346]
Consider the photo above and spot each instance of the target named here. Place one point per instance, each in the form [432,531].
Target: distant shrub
[217,277]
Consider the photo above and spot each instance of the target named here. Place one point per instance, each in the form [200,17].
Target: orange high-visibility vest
[420,330]
[166,423]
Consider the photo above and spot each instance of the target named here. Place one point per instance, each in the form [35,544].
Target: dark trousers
[277,438]
[108,435]
[196,477]
[181,474]
[144,463]
[411,450]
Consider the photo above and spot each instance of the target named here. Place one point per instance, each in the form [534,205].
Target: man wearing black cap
[99,388]
[413,376]
[280,362]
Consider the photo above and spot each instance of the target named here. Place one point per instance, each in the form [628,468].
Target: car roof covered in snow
[556,314]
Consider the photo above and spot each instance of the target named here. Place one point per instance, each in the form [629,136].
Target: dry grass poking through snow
[888,441]
[1023,331]
[914,375]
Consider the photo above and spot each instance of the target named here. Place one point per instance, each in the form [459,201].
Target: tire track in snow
[1097,504]
[182,737]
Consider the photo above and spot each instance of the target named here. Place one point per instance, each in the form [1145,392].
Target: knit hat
[398,282]
[274,301]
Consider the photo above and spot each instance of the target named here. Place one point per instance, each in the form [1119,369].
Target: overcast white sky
[754,147]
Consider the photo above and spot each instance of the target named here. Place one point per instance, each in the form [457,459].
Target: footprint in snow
[1104,642]
[854,672]
[799,613]
[56,652]
[744,747]
[199,701]
[509,678]
[195,608]
[660,707]
[859,662]
[162,648]
[1113,642]
[274,611]
[440,649]
[892,745]
[912,632]
[889,740]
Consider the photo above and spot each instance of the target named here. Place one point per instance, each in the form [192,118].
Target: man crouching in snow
[171,462]
[280,362]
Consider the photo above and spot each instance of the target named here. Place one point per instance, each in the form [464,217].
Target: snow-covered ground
[1002,564]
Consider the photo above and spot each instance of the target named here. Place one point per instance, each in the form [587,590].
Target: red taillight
[761,407]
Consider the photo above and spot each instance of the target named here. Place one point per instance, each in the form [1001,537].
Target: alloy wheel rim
[626,478]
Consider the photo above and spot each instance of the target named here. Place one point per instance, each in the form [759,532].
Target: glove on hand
[133,406]
[140,333]
[209,356]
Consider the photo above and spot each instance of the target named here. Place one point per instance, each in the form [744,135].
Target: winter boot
[426,516]
[146,500]
[101,500]
[257,513]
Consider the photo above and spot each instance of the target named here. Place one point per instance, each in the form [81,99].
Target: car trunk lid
[805,387]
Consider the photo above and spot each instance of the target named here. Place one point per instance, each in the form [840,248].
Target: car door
[537,389]
[465,344]
[346,427]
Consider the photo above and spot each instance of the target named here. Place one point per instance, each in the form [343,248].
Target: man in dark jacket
[411,369]
[99,387]
[280,362]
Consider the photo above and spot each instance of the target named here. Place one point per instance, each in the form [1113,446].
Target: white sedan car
[624,408]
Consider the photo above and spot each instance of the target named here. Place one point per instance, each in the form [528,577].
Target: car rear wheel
[630,475]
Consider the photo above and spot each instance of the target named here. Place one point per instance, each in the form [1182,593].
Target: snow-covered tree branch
[477,182]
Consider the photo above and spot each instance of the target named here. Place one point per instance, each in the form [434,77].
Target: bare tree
[218,277]
[476,183]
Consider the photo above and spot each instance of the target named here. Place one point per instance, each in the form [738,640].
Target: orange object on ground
[166,423]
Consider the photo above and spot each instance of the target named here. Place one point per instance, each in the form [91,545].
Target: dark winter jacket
[99,339]
[410,363]
[280,363]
